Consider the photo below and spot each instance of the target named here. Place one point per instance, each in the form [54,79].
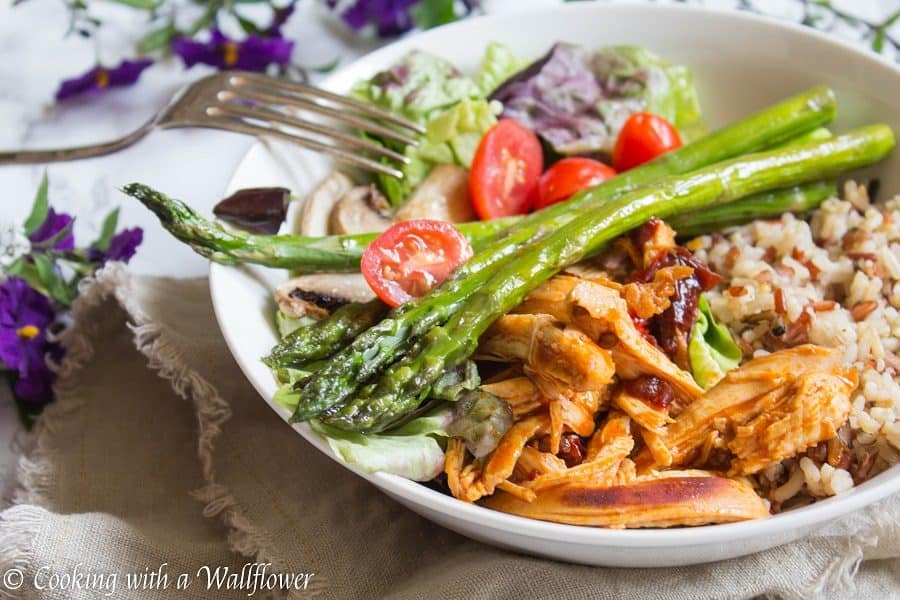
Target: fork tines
[261,105]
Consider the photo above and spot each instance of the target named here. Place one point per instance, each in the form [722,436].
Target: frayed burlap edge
[20,523]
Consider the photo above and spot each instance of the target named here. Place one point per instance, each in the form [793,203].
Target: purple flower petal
[100,78]
[255,53]
[280,17]
[124,244]
[36,386]
[25,315]
[391,17]
[52,226]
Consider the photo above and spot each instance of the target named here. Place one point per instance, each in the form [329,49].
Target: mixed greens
[577,100]
[387,386]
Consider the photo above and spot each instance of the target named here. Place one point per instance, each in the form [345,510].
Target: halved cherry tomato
[568,176]
[505,170]
[643,137]
[411,257]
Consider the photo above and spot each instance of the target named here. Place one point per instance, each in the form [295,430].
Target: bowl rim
[818,513]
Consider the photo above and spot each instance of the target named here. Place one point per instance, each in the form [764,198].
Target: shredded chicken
[480,478]
[674,498]
[813,411]
[519,392]
[602,462]
[601,312]
[608,430]
[647,416]
[547,348]
[769,409]
[660,241]
[647,300]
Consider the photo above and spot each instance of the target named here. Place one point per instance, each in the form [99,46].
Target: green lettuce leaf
[431,91]
[414,450]
[417,87]
[451,136]
[712,350]
[666,89]
[498,65]
[287,325]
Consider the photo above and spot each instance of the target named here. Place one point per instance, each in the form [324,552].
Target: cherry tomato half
[643,137]
[569,176]
[411,257]
[505,170]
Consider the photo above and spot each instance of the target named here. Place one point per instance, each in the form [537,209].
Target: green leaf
[39,208]
[157,39]
[52,280]
[140,4]
[247,25]
[28,272]
[328,67]
[878,41]
[432,13]
[107,230]
[711,349]
[498,65]
[412,450]
[889,22]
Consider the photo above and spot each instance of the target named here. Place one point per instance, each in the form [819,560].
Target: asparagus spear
[405,384]
[383,343]
[315,341]
[795,199]
[299,253]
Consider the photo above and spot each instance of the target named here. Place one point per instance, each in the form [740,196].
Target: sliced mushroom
[443,195]
[320,202]
[360,211]
[317,295]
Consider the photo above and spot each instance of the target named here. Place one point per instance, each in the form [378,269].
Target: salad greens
[414,450]
[712,350]
[453,107]
[417,87]
[577,100]
[498,65]
[451,137]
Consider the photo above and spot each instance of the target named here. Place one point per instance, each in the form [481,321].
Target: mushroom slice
[317,295]
[443,195]
[320,202]
[360,210]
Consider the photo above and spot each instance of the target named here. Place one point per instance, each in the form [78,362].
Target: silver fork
[260,105]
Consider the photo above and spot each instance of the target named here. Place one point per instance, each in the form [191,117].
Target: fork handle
[24,157]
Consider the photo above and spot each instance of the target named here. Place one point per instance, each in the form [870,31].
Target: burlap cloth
[159,458]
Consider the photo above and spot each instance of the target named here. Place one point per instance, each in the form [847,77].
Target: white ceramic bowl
[741,63]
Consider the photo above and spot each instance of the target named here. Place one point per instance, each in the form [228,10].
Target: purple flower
[280,17]
[25,316]
[101,78]
[255,53]
[391,17]
[124,244]
[52,226]
[121,247]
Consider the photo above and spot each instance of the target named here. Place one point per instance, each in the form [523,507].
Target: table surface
[193,165]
